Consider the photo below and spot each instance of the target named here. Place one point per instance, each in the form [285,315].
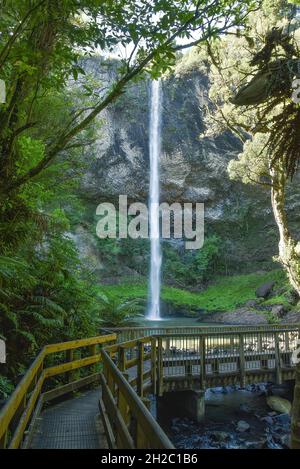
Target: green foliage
[114,313]
[207,258]
[6,387]
[251,165]
[45,293]
[120,252]
[124,291]
[193,60]
[193,268]
[42,44]
[225,294]
[44,300]
[31,152]
[277,300]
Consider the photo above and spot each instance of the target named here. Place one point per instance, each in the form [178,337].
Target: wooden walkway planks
[71,424]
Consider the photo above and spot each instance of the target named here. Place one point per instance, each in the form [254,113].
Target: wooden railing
[152,364]
[170,362]
[125,334]
[218,358]
[18,416]
[127,419]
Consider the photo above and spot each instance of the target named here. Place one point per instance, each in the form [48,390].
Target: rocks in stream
[242,426]
[268,419]
[279,404]
[285,441]
[282,419]
[218,435]
[245,408]
[248,426]
[272,437]
[255,444]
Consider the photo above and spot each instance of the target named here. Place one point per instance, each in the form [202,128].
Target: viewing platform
[124,367]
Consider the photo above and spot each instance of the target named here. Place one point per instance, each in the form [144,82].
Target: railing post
[202,363]
[92,352]
[167,345]
[124,411]
[259,342]
[277,360]
[188,368]
[160,366]
[242,362]
[70,358]
[140,369]
[153,365]
[122,358]
[287,341]
[141,438]
[110,381]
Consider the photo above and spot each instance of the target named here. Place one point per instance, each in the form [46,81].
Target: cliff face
[192,169]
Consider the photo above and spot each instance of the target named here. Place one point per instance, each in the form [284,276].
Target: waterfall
[154,150]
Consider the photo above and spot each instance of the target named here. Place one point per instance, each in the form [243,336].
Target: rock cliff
[192,169]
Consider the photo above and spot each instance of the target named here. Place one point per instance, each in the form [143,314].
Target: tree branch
[8,46]
[118,88]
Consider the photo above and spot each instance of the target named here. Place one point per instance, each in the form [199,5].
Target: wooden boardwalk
[71,424]
[129,372]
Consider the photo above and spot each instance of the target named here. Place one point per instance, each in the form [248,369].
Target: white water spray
[154,148]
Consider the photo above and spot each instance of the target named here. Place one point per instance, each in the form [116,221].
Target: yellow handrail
[135,367]
[127,420]
[16,414]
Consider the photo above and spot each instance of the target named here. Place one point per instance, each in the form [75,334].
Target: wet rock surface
[247,315]
[193,170]
[279,404]
[235,419]
[264,290]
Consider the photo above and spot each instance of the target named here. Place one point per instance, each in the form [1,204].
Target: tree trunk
[289,258]
[289,249]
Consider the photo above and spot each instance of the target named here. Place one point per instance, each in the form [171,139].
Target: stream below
[234,419]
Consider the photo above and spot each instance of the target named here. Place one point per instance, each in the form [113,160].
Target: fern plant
[114,313]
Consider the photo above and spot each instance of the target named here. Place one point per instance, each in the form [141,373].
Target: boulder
[264,290]
[242,426]
[292,317]
[245,408]
[285,440]
[219,435]
[292,297]
[251,303]
[282,419]
[268,420]
[283,406]
[256,444]
[278,311]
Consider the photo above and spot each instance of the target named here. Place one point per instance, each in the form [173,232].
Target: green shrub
[225,294]
[6,387]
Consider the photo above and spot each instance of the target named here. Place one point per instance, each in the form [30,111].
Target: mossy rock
[279,404]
